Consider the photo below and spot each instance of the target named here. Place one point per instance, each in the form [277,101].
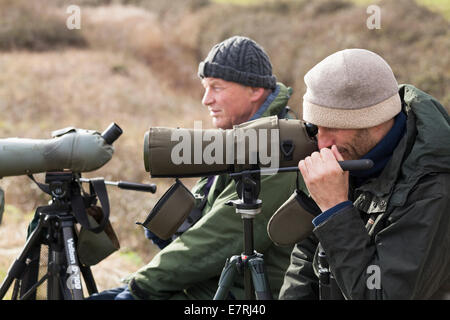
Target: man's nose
[324,138]
[208,98]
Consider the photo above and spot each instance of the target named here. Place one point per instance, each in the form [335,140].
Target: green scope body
[267,142]
[77,150]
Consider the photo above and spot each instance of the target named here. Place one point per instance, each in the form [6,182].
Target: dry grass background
[134,62]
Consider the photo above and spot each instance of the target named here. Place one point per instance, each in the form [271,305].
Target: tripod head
[248,187]
[65,188]
[59,184]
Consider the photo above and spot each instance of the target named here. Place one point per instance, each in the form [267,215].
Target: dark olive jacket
[405,254]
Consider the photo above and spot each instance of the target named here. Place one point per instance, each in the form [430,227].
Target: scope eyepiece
[311,129]
[112,133]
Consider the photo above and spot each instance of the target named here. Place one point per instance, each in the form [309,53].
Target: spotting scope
[269,144]
[77,150]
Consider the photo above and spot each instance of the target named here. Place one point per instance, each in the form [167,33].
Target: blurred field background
[134,62]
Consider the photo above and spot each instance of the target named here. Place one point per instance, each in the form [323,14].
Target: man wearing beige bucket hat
[383,233]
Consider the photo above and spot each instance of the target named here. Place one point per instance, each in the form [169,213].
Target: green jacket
[189,268]
[405,254]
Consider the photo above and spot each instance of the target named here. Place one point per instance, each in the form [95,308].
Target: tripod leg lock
[260,281]
[230,270]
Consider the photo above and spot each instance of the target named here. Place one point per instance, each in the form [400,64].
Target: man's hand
[326,181]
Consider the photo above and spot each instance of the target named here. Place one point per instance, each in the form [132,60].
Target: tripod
[250,262]
[56,230]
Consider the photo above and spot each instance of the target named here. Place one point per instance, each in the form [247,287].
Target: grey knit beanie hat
[239,59]
[351,89]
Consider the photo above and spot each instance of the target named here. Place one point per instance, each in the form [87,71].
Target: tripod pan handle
[137,186]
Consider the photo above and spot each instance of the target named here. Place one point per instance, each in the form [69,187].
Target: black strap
[97,187]
[41,186]
[80,203]
[282,114]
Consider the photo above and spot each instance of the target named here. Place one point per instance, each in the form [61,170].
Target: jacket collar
[274,103]
[382,152]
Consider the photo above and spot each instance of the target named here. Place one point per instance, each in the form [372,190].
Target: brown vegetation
[134,62]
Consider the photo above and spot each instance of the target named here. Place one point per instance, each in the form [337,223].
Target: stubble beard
[359,146]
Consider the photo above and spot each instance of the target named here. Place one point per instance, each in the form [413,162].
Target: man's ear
[258,94]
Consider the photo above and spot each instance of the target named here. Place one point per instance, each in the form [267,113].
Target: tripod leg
[227,277]
[20,264]
[256,266]
[73,282]
[55,261]
[89,279]
[248,252]
[30,275]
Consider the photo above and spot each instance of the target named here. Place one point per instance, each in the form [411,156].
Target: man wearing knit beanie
[383,233]
[239,86]
[237,77]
